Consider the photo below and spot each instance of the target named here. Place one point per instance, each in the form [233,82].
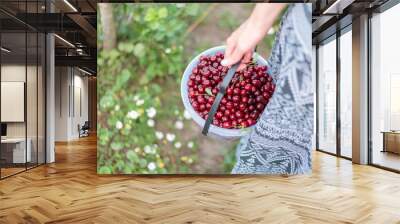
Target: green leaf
[142,163]
[151,15]
[138,50]
[104,170]
[163,12]
[122,79]
[106,101]
[113,54]
[132,156]
[117,146]
[120,165]
[126,47]
[209,92]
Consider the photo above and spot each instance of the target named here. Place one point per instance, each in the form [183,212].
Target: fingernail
[224,62]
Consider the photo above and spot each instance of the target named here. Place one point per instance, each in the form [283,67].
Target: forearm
[241,43]
[264,16]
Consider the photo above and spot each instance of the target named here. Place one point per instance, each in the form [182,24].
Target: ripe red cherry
[247,87]
[202,107]
[224,101]
[195,105]
[200,89]
[200,99]
[239,114]
[206,83]
[245,99]
[260,99]
[229,105]
[260,106]
[226,124]
[234,123]
[242,107]
[219,115]
[246,96]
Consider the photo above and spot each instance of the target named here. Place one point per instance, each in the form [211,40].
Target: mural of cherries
[246,96]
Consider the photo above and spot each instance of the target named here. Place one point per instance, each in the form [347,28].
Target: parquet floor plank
[70,191]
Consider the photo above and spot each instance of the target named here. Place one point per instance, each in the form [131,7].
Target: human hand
[241,43]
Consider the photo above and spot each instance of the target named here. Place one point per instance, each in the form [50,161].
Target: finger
[235,57]
[245,60]
[241,66]
[230,46]
[247,57]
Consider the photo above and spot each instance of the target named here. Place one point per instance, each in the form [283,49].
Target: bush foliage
[131,80]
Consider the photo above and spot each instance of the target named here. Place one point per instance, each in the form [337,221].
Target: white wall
[70,83]
[12,73]
[79,117]
[61,103]
[33,126]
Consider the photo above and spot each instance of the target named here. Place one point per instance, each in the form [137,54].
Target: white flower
[139,102]
[119,125]
[178,145]
[186,115]
[147,149]
[116,107]
[150,123]
[133,114]
[159,135]
[168,50]
[150,149]
[190,144]
[136,98]
[137,149]
[151,166]
[180,5]
[170,137]
[151,112]
[179,125]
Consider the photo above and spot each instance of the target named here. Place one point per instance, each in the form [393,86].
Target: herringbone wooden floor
[70,191]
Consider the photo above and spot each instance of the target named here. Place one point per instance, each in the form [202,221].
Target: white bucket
[214,130]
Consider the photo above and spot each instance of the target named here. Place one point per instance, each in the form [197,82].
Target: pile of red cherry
[246,96]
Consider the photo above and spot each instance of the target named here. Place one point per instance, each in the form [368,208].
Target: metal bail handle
[218,98]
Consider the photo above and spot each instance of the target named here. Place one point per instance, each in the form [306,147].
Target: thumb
[233,58]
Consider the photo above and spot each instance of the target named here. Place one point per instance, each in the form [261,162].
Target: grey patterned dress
[281,141]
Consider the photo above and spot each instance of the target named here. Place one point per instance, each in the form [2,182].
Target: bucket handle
[218,98]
